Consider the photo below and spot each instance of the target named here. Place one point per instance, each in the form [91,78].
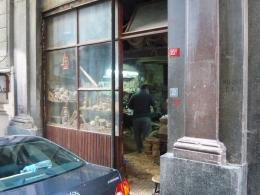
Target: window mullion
[77,70]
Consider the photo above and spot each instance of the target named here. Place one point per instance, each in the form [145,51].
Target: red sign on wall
[65,62]
[176,102]
[174,52]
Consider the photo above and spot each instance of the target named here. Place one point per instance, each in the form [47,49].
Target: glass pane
[149,16]
[95,111]
[116,67]
[33,160]
[95,22]
[62,30]
[95,66]
[62,94]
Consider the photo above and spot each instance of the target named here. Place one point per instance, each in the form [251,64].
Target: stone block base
[203,150]
[22,125]
[188,177]
[253,179]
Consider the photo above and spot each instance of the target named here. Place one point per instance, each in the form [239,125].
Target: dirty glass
[95,111]
[62,30]
[95,66]
[149,16]
[95,22]
[62,94]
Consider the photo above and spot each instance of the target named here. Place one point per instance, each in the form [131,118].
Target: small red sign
[174,52]
[65,62]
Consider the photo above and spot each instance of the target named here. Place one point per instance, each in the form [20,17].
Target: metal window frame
[65,9]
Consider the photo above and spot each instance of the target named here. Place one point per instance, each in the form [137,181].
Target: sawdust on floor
[140,169]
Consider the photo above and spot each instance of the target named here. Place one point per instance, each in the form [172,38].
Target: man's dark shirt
[140,103]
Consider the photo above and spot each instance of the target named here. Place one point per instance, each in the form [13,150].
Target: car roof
[14,139]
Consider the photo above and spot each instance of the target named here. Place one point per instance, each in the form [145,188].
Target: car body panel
[88,179]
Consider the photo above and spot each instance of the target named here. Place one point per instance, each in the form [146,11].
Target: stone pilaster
[26,67]
[202,137]
[201,85]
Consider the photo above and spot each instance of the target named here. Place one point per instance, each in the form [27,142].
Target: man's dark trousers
[142,126]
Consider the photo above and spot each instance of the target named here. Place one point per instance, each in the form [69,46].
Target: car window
[33,161]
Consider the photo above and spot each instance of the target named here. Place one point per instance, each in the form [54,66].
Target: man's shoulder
[134,95]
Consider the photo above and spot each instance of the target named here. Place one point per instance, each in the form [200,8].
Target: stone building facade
[6,69]
[213,144]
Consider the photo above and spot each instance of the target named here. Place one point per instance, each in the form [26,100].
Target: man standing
[141,103]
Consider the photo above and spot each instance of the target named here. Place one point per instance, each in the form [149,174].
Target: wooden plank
[92,147]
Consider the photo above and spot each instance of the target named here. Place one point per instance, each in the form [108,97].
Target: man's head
[145,87]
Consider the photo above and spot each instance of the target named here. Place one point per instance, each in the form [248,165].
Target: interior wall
[152,74]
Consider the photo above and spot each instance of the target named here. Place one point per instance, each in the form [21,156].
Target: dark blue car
[32,165]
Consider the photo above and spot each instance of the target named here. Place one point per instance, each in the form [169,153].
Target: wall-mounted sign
[174,52]
[65,62]
[174,92]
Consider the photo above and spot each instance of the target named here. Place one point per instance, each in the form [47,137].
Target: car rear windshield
[32,161]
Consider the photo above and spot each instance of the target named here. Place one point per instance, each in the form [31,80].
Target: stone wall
[233,79]
[185,170]
[25,62]
[3,34]
[5,109]
[254,98]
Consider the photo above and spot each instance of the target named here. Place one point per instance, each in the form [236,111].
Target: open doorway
[145,62]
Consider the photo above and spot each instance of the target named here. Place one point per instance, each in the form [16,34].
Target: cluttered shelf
[94,110]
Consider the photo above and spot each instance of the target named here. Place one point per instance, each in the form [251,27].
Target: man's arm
[153,104]
[130,103]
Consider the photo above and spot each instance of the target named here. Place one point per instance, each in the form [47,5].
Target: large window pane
[62,94]
[149,16]
[95,66]
[95,111]
[62,30]
[62,68]
[95,22]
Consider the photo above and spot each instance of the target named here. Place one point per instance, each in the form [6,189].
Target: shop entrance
[145,62]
